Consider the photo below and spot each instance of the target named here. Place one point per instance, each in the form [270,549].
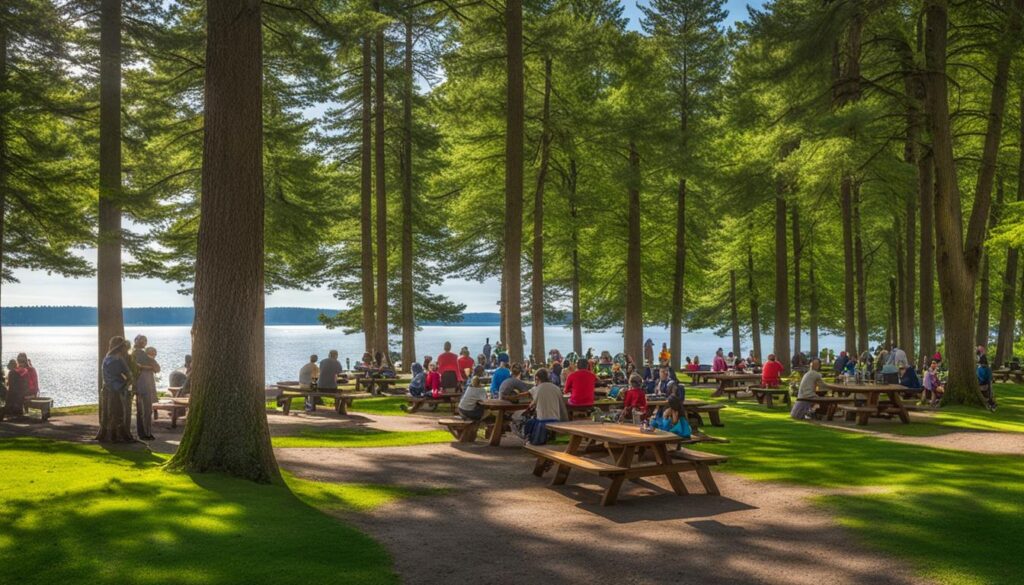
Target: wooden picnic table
[501,420]
[1004,375]
[618,446]
[176,406]
[703,376]
[730,379]
[874,393]
[342,399]
[375,385]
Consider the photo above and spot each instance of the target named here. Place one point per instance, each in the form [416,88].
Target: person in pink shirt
[718,364]
[449,362]
[771,372]
[30,373]
[579,385]
[432,385]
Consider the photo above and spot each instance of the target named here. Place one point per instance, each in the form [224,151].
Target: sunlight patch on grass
[359,437]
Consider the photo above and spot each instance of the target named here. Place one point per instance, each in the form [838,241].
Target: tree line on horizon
[818,166]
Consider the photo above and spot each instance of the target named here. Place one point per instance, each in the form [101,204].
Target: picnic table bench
[462,429]
[417,403]
[828,403]
[176,407]
[621,445]
[1004,375]
[766,395]
[377,385]
[733,379]
[41,403]
[342,400]
[874,406]
[703,376]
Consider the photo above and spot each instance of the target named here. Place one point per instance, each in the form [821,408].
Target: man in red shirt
[579,385]
[465,362]
[771,372]
[448,361]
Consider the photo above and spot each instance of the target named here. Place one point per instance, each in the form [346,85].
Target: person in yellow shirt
[665,356]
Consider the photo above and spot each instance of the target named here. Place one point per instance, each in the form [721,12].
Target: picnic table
[616,448]
[874,405]
[176,406]
[703,376]
[694,408]
[1004,375]
[375,385]
[501,420]
[732,379]
[342,399]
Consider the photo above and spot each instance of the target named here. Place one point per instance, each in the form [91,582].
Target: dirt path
[502,525]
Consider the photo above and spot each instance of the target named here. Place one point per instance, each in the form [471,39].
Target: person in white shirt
[808,386]
[309,372]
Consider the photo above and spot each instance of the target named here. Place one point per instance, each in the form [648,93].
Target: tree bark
[226,429]
[734,314]
[914,93]
[959,256]
[537,349]
[897,331]
[109,306]
[847,91]
[862,283]
[926,191]
[781,338]
[4,113]
[408,317]
[366,199]
[633,323]
[676,317]
[814,316]
[983,326]
[574,285]
[1008,308]
[891,334]
[755,318]
[797,252]
[512,266]
[380,177]
[849,280]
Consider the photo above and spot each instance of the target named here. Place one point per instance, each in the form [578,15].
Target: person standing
[809,385]
[115,397]
[145,388]
[309,372]
[487,351]
[649,351]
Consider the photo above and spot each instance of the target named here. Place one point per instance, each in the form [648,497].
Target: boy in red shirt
[635,398]
[771,373]
[579,385]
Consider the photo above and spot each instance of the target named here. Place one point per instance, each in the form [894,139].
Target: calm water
[65,356]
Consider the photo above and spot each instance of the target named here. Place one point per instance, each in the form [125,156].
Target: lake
[66,356]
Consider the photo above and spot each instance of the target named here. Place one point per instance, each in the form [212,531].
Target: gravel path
[502,525]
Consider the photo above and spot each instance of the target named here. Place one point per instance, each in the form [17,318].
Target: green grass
[359,437]
[81,409]
[954,515]
[1008,418]
[78,513]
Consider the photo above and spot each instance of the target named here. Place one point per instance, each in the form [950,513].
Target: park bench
[463,430]
[851,412]
[417,403]
[828,404]
[43,405]
[766,395]
[547,455]
[176,408]
[342,400]
[712,410]
[733,392]
[702,463]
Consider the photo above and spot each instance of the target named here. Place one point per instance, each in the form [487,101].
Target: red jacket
[635,398]
[433,381]
[771,374]
[580,387]
[466,363]
[448,361]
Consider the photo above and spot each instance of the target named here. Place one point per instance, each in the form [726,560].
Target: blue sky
[40,288]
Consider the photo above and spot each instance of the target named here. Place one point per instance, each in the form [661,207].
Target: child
[418,385]
[634,399]
[672,418]
[933,388]
[433,383]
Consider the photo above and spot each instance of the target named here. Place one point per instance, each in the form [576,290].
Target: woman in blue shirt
[115,398]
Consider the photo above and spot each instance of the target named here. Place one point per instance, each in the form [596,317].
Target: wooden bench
[733,392]
[342,400]
[850,412]
[43,405]
[712,410]
[827,403]
[463,430]
[766,395]
[566,461]
[175,407]
[702,463]
[416,403]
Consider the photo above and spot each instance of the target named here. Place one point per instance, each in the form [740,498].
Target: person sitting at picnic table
[16,389]
[634,399]
[933,388]
[771,373]
[365,365]
[418,384]
[481,360]
[580,384]
[810,383]
[449,362]
[498,376]
[327,380]
[555,373]
[30,374]
[665,356]
[179,376]
[719,364]
[694,366]
[840,363]
[897,356]
[751,360]
[501,354]
[739,365]
[309,372]
[469,405]
[909,378]
[465,363]
[665,385]
[985,382]
[432,385]
[513,386]
[618,377]
[672,418]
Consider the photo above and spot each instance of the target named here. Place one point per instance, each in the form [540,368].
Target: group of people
[20,384]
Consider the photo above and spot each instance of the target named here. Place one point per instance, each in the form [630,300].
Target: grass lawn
[955,515]
[359,437]
[73,513]
[1008,418]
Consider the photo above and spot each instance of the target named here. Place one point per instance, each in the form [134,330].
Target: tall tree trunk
[926,192]
[848,90]
[408,317]
[226,429]
[814,316]
[513,248]
[959,256]
[1008,308]
[862,283]
[734,314]
[577,325]
[891,333]
[4,113]
[797,252]
[849,279]
[676,316]
[537,349]
[109,309]
[914,93]
[366,199]
[781,338]
[897,332]
[983,328]
[633,323]
[755,317]
[380,177]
